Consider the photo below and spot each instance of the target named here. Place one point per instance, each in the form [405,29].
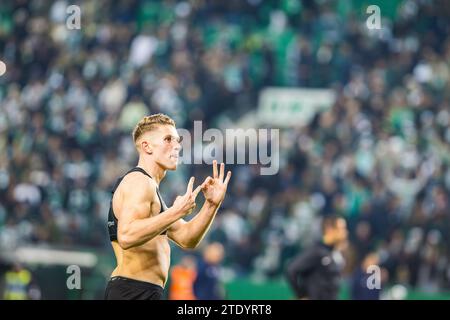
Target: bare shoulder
[134,197]
[137,186]
[137,182]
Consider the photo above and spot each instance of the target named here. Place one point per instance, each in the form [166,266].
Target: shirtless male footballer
[139,222]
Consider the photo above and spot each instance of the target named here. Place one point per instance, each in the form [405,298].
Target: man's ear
[146,147]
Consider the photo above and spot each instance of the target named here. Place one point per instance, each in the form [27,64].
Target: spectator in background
[182,280]
[316,272]
[207,286]
[363,288]
[19,284]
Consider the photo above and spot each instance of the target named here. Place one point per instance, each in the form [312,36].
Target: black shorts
[121,288]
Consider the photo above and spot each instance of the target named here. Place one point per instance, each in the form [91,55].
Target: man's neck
[155,171]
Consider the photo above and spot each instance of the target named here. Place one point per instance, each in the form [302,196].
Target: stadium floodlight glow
[2,68]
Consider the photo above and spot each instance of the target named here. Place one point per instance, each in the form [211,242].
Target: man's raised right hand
[185,204]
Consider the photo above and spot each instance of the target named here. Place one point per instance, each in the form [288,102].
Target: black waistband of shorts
[137,283]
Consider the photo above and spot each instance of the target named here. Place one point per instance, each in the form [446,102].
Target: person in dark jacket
[315,273]
[362,285]
[207,285]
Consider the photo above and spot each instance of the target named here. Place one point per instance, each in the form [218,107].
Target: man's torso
[150,261]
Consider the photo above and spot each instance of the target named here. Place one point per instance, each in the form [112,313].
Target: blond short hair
[150,123]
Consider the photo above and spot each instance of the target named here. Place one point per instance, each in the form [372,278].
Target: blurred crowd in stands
[380,156]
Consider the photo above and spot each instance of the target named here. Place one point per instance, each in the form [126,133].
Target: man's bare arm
[135,227]
[190,234]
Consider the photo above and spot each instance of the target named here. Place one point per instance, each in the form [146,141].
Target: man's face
[214,253]
[164,145]
[338,232]
[341,231]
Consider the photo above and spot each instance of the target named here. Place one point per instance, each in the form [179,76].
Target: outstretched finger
[215,173]
[190,185]
[228,177]
[222,171]
[197,190]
